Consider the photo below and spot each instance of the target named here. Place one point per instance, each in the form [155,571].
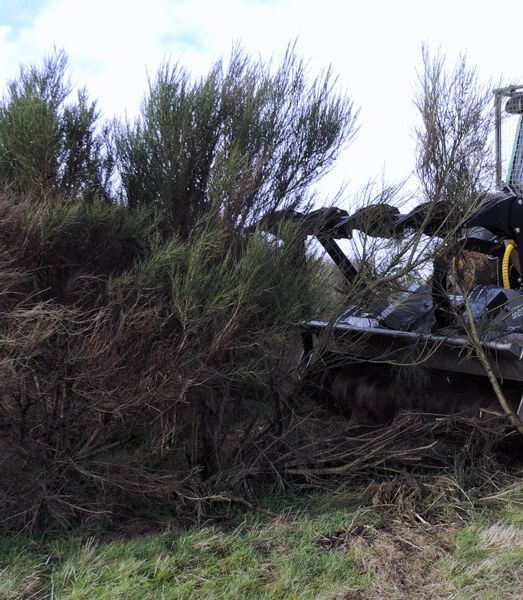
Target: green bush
[146,341]
[247,139]
[50,143]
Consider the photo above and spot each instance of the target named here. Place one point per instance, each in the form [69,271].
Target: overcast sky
[374,46]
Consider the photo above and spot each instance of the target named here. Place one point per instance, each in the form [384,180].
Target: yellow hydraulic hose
[509,246]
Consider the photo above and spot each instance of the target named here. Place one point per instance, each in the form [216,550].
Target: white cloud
[374,46]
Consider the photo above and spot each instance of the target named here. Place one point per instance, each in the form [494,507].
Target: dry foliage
[136,382]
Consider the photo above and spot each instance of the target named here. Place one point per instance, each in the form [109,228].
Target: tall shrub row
[143,333]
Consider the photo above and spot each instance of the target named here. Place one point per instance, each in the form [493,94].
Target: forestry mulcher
[361,352]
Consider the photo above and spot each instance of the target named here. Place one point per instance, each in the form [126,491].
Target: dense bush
[147,334]
[246,139]
[143,334]
[50,142]
[161,371]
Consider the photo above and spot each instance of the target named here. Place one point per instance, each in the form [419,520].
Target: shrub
[49,142]
[150,384]
[143,343]
[242,141]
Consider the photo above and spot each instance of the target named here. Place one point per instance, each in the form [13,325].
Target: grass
[323,547]
[488,562]
[260,560]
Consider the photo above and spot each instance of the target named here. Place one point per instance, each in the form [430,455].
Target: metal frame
[499,94]
[435,351]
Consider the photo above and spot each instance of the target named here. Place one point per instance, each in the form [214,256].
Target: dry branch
[481,354]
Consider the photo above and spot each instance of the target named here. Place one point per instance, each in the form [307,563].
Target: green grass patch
[325,548]
[488,561]
[275,559]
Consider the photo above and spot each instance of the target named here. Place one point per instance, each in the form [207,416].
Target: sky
[374,47]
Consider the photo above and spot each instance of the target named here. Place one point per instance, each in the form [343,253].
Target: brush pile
[321,451]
